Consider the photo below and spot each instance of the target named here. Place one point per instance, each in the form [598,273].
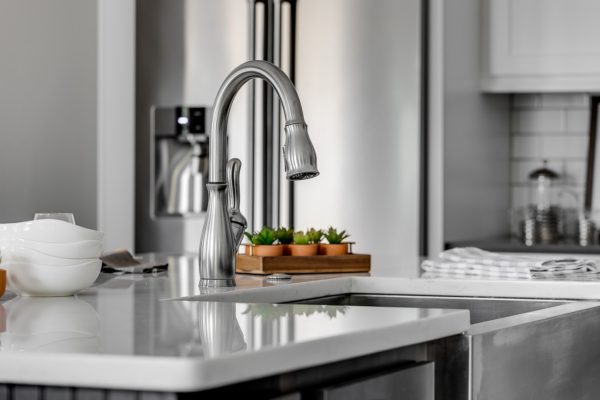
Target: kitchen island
[154,335]
[158,334]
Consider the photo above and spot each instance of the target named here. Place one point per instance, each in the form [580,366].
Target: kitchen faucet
[224,225]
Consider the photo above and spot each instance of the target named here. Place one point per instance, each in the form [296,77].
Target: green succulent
[314,236]
[333,237]
[301,238]
[265,236]
[285,235]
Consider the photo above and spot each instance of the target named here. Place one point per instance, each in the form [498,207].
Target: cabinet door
[540,45]
[412,383]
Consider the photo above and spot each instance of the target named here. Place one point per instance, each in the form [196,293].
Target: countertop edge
[194,374]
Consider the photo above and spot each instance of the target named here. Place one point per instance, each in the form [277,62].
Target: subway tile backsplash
[542,121]
[549,127]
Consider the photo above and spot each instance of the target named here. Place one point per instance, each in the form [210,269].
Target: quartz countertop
[127,329]
[160,332]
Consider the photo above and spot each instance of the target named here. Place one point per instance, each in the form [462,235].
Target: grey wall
[476,135]
[48,108]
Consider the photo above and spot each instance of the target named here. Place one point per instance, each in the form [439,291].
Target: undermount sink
[526,340]
[514,349]
[481,308]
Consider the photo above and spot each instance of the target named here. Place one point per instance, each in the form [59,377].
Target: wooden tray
[302,265]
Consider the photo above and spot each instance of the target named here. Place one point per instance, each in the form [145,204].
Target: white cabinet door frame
[116,113]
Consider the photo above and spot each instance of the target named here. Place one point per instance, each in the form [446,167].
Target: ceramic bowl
[73,250]
[39,280]
[20,254]
[49,230]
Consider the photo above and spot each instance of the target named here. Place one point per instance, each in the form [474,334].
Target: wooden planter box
[246,264]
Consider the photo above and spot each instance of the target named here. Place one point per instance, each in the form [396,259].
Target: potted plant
[314,236]
[263,243]
[303,244]
[335,245]
[285,236]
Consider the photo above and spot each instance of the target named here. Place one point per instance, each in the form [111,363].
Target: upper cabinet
[540,46]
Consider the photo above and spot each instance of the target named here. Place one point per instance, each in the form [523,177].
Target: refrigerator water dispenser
[179,158]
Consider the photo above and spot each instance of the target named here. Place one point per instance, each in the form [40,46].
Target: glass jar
[542,223]
[542,190]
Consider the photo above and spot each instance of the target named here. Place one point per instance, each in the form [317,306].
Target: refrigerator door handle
[287,37]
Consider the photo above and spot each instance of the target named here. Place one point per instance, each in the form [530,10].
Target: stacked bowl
[49,257]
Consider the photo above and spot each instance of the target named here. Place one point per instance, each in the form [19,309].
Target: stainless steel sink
[481,308]
[515,348]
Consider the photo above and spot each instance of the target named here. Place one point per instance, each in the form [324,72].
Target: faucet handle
[237,220]
[234,167]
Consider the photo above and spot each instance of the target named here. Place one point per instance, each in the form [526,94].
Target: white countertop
[124,332]
[130,328]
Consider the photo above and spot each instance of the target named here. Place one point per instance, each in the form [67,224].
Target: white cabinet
[540,45]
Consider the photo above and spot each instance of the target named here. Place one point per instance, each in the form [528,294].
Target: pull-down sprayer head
[299,154]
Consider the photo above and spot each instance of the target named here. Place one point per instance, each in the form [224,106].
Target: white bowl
[72,250]
[20,254]
[39,280]
[49,230]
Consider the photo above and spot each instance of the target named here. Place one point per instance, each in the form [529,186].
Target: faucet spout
[217,243]
[292,109]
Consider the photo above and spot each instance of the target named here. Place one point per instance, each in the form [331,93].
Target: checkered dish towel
[471,261]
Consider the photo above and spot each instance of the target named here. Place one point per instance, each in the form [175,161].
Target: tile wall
[549,127]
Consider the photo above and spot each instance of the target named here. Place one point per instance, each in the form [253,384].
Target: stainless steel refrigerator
[358,68]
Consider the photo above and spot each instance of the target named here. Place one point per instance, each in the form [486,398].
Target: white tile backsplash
[520,196]
[575,171]
[564,146]
[577,121]
[526,147]
[563,100]
[523,101]
[550,127]
[538,121]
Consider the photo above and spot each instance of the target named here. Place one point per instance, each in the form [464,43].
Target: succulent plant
[314,236]
[301,238]
[265,236]
[333,237]
[285,235]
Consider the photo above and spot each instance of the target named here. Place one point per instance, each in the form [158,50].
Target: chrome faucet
[224,225]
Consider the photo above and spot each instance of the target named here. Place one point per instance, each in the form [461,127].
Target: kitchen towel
[123,261]
[471,261]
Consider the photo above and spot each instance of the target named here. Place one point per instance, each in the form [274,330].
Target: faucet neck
[230,87]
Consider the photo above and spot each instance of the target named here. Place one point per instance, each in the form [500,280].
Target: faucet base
[216,283]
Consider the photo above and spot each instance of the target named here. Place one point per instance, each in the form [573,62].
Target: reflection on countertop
[56,324]
[183,277]
[127,327]
[131,326]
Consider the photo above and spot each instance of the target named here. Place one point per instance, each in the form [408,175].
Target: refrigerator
[358,66]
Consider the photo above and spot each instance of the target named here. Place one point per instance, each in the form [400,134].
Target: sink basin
[514,349]
[527,340]
[481,308]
